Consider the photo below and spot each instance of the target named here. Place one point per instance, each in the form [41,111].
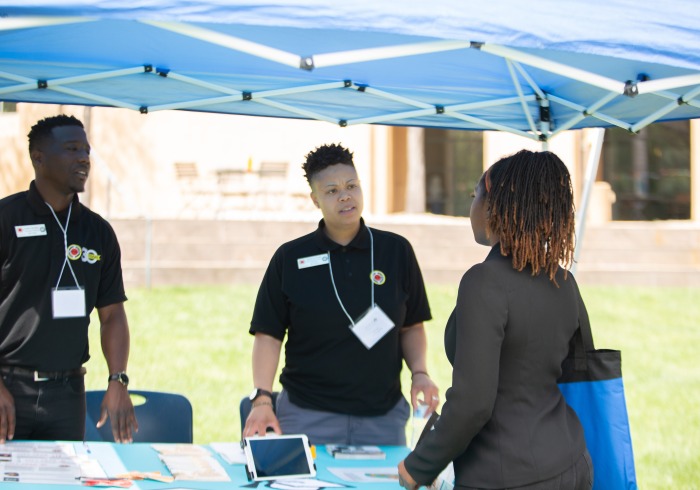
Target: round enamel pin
[377,277]
[74,252]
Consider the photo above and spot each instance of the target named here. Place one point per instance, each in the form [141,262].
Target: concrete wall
[238,251]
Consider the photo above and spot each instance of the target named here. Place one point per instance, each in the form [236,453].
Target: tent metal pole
[374,54]
[688,98]
[94,98]
[490,103]
[491,125]
[224,99]
[584,112]
[545,122]
[393,117]
[148,243]
[231,42]
[591,172]
[555,67]
[664,110]
[598,115]
[199,83]
[96,76]
[521,96]
[651,86]
[18,88]
[299,90]
[296,110]
[529,79]
[29,22]
[397,98]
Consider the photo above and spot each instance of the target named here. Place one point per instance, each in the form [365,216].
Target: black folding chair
[162,417]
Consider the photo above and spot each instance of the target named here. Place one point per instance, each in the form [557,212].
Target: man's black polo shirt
[326,366]
[30,267]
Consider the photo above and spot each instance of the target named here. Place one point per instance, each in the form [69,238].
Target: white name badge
[372,326]
[312,261]
[68,302]
[24,231]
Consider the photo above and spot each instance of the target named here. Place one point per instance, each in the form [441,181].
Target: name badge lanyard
[373,324]
[335,289]
[67,302]
[65,245]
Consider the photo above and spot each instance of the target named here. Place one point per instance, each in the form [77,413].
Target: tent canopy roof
[447,64]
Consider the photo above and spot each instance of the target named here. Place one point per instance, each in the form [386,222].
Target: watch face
[124,379]
[253,394]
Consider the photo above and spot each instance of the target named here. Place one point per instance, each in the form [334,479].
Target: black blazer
[504,422]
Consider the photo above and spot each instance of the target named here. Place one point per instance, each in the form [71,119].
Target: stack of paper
[231,452]
[39,463]
[188,462]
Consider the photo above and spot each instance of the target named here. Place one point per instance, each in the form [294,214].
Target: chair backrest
[186,170]
[162,417]
[246,405]
[273,170]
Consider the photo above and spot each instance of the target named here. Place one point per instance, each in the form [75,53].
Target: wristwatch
[257,392]
[121,377]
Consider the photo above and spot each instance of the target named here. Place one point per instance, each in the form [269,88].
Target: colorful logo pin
[74,252]
[377,277]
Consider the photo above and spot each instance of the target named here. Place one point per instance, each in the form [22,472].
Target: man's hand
[7,414]
[118,407]
[261,417]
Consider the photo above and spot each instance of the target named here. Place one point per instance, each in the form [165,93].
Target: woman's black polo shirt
[326,366]
[30,265]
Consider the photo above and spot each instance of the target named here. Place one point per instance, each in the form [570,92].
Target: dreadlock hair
[42,129]
[531,210]
[325,156]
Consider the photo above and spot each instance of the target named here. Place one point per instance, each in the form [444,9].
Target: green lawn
[194,340]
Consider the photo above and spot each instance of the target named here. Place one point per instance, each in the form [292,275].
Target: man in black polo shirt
[341,384]
[58,261]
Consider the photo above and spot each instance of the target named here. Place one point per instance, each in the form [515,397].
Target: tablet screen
[279,457]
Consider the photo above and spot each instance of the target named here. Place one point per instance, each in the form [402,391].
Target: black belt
[42,375]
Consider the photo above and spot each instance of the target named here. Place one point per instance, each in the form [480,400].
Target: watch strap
[260,391]
[121,377]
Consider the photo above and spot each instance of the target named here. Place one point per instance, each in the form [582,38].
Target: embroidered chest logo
[88,255]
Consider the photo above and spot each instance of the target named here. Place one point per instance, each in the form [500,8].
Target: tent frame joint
[306,63]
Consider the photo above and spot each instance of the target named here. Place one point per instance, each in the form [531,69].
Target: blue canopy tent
[534,69]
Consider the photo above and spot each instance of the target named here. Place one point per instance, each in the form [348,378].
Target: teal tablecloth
[142,457]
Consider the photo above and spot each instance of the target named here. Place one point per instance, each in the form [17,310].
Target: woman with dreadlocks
[504,423]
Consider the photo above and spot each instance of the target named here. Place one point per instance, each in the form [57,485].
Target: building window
[649,172]
[454,162]
[8,106]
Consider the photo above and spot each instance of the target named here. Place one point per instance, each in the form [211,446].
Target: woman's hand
[405,479]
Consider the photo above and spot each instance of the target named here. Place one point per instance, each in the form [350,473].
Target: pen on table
[87,448]
[391,476]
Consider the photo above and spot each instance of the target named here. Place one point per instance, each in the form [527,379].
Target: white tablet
[274,457]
